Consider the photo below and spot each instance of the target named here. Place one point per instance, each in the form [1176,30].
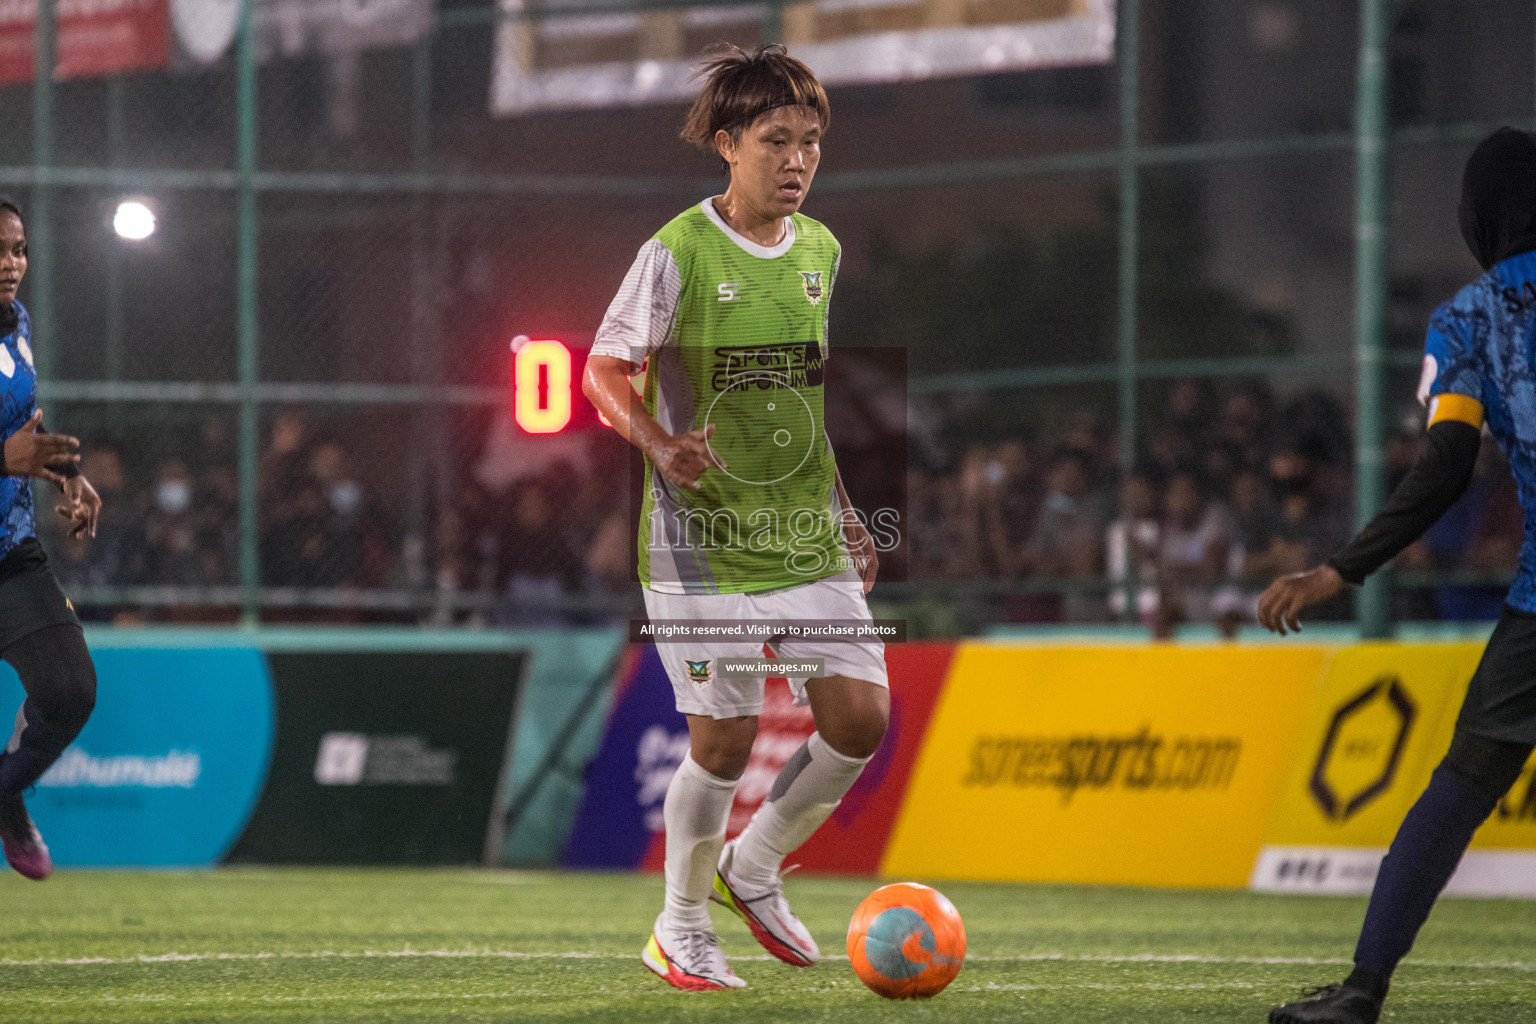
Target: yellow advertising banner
[1133,765]
[1381,721]
[1369,742]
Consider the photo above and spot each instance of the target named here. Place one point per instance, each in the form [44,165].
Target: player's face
[775,159]
[13,255]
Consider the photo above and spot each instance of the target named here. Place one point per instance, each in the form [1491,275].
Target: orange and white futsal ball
[906,941]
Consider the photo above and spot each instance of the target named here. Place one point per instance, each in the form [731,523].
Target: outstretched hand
[31,452]
[1280,606]
[81,506]
[683,458]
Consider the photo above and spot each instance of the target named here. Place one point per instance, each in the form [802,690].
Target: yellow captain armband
[1457,408]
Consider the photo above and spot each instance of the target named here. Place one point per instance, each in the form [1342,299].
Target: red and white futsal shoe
[691,961]
[766,912]
[23,843]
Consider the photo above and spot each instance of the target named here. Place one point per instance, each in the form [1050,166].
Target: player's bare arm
[1434,484]
[681,458]
[861,546]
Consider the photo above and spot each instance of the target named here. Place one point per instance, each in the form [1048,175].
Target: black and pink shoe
[23,843]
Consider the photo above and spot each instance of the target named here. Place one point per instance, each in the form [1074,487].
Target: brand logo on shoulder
[730,291]
[810,280]
[698,671]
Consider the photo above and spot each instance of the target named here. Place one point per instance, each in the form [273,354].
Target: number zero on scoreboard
[542,387]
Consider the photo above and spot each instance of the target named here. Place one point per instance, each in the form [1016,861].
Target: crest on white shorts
[698,671]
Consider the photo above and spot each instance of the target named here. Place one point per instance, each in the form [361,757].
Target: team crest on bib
[810,280]
[698,671]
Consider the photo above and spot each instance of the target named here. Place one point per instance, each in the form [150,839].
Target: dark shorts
[30,596]
[1501,699]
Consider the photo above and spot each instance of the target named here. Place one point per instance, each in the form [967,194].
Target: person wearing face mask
[1477,370]
[171,529]
[39,634]
[173,497]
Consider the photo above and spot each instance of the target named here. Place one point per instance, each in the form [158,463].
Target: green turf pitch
[357,945]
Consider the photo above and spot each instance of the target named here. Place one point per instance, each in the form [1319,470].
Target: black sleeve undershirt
[1431,487]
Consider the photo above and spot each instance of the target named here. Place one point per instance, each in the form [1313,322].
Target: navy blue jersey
[1480,362]
[18,400]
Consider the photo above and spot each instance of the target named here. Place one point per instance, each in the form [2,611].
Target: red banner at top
[95,37]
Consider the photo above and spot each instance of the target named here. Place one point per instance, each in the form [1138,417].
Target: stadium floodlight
[134,220]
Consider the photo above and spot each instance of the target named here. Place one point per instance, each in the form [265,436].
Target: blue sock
[35,745]
[1423,856]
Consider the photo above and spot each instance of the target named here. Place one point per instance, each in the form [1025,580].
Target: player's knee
[56,668]
[858,735]
[1493,765]
[77,688]
[723,761]
[723,747]
[82,699]
[69,697]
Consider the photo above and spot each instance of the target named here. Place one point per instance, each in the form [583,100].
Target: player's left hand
[1280,606]
[81,506]
[861,548]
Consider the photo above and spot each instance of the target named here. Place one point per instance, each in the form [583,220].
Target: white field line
[383,997]
[1153,986]
[507,954]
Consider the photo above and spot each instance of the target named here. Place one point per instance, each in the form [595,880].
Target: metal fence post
[1373,609]
[1130,208]
[773,22]
[432,458]
[114,282]
[40,216]
[1129,252]
[247,323]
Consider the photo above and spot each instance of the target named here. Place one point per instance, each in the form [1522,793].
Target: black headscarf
[1498,197]
[10,318]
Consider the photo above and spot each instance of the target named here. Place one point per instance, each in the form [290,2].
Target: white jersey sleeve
[826,317]
[639,320]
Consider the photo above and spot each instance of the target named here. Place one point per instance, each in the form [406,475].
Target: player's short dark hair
[740,87]
[7,203]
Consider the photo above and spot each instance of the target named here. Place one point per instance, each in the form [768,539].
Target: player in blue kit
[39,634]
[1479,366]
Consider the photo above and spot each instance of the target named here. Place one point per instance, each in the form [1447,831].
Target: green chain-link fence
[296,392]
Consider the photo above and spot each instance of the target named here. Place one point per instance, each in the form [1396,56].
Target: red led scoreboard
[546,381]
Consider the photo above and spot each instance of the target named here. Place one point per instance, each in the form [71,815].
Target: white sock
[809,787]
[696,811]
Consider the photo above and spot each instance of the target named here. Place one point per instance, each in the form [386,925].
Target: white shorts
[701,689]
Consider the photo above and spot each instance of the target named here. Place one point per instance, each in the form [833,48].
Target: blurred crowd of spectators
[175,524]
[512,555]
[1231,488]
